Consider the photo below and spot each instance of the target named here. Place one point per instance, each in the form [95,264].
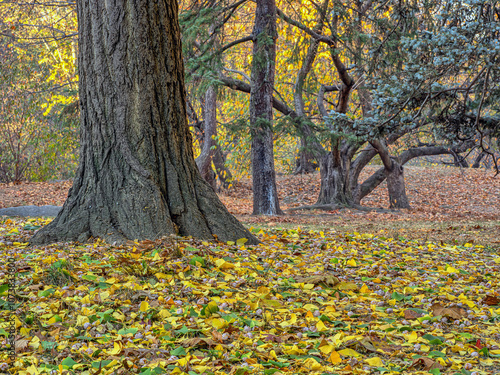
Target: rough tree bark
[477,160]
[333,189]
[265,194]
[137,177]
[396,186]
[394,172]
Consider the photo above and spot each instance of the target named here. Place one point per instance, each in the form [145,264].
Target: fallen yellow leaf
[374,361]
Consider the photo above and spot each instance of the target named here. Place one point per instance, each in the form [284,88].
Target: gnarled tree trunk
[396,186]
[334,181]
[477,160]
[265,193]
[137,177]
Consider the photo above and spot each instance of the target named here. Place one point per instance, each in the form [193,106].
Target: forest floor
[342,292]
[452,205]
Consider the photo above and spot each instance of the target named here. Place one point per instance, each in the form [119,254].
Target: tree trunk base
[144,214]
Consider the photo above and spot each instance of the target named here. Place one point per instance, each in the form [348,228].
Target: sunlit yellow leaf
[321,326]
[375,361]
[351,262]
[335,357]
[326,349]
[364,289]
[310,363]
[272,354]
[349,353]
[117,348]
[241,241]
[412,337]
[451,270]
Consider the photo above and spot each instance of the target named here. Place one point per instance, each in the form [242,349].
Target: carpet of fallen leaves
[434,193]
[308,302]
[413,291]
[34,193]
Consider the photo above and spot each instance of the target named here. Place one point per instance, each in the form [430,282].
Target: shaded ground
[449,204]
[34,193]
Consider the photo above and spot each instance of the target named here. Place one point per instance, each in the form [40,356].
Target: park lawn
[302,301]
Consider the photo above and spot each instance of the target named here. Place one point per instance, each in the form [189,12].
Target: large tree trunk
[204,160]
[137,177]
[265,194]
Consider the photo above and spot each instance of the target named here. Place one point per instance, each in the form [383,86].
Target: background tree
[366,45]
[38,84]
[356,83]
[265,194]
[137,177]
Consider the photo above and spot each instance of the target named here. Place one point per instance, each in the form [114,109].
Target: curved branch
[379,176]
[329,40]
[280,106]
[236,84]
[321,97]
[236,42]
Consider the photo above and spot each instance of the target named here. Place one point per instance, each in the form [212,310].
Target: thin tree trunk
[137,177]
[477,160]
[204,160]
[265,194]
[305,161]
[223,173]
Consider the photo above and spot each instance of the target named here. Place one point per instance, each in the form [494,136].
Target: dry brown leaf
[217,336]
[273,338]
[288,337]
[345,285]
[411,314]
[230,329]
[198,341]
[21,344]
[454,312]
[426,364]
[491,300]
[35,286]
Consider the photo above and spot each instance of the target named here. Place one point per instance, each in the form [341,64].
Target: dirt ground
[452,205]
